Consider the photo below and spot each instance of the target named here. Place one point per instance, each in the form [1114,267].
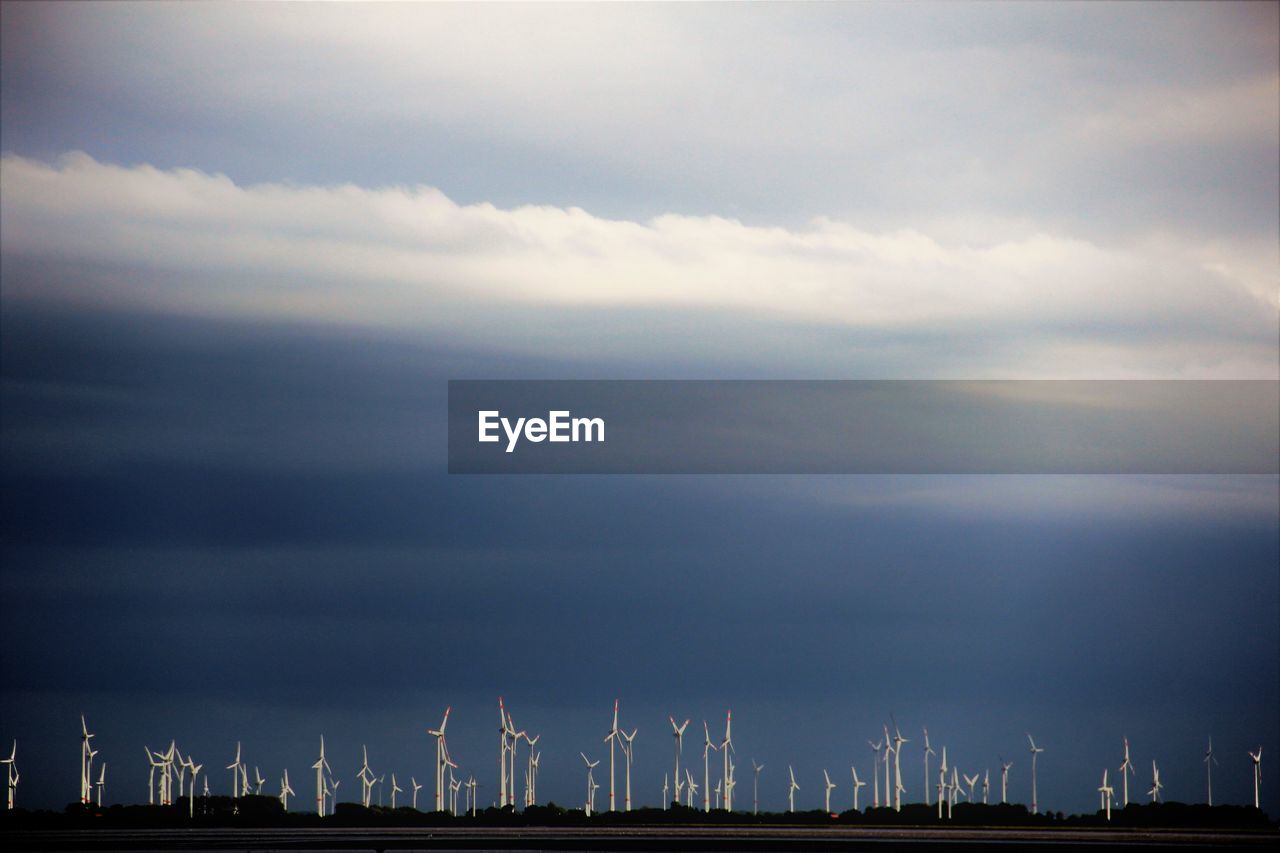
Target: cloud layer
[411,258]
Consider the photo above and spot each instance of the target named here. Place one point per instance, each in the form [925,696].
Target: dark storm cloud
[260,588]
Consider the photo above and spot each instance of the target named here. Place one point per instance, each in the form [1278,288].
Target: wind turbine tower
[502,763]
[611,738]
[191,793]
[678,733]
[86,760]
[627,740]
[898,788]
[942,781]
[1209,761]
[285,790]
[755,787]
[1106,791]
[11,772]
[591,782]
[321,767]
[442,754]
[234,767]
[928,750]
[726,746]
[875,773]
[1035,750]
[888,750]
[1126,770]
[1257,774]
[707,747]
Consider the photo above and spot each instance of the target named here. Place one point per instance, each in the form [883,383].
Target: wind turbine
[89,772]
[379,781]
[416,789]
[857,783]
[611,738]
[191,793]
[830,787]
[718,784]
[732,781]
[531,774]
[1154,793]
[898,788]
[442,755]
[366,778]
[395,789]
[626,754]
[678,732]
[331,791]
[690,787]
[454,786]
[591,782]
[511,771]
[791,792]
[321,767]
[707,747]
[755,787]
[888,749]
[534,759]
[875,772]
[12,773]
[102,780]
[502,763]
[1035,750]
[1004,780]
[986,784]
[472,785]
[258,782]
[1126,770]
[85,761]
[666,790]
[1257,774]
[285,790]
[928,750]
[971,781]
[952,790]
[151,777]
[1209,761]
[234,767]
[167,773]
[1105,791]
[942,782]
[726,747]
[181,769]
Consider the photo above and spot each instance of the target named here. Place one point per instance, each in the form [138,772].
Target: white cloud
[413,258]
[1089,120]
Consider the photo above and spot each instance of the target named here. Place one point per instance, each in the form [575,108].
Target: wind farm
[804,801]
[926,355]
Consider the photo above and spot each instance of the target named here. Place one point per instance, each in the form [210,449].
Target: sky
[245,246]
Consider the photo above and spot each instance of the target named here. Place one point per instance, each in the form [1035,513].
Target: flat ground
[629,838]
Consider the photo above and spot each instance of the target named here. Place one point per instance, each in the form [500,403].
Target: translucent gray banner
[863,427]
